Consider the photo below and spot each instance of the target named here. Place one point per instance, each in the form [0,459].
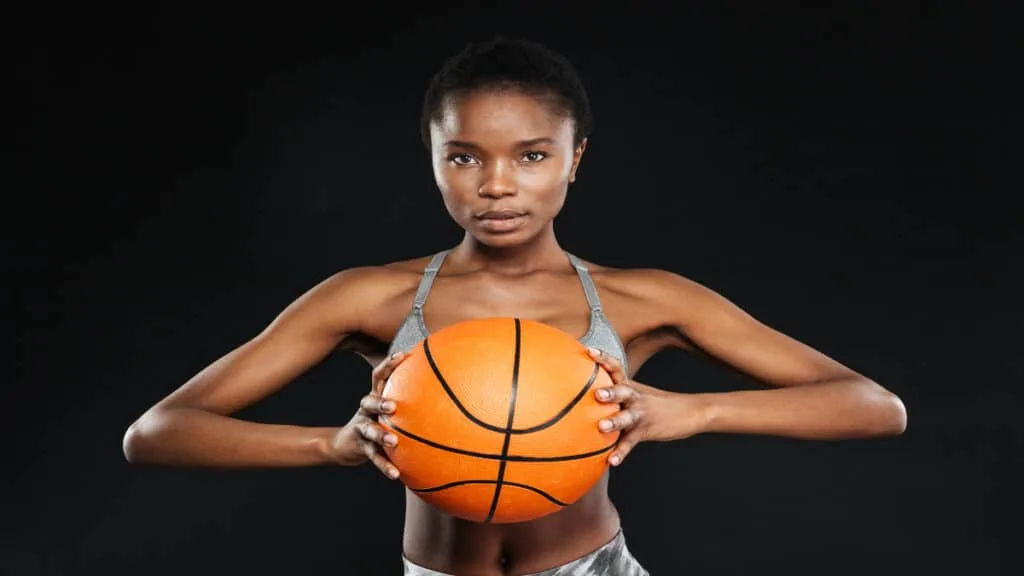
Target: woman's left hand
[648,414]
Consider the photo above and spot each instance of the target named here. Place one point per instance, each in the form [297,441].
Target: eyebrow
[520,144]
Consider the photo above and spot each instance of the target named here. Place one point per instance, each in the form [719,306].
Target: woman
[506,123]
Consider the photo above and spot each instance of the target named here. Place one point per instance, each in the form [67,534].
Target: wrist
[324,443]
[702,410]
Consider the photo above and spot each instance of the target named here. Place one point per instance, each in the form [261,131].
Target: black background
[838,171]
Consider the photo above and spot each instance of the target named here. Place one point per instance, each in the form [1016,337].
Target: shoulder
[377,279]
[663,290]
[362,290]
[644,283]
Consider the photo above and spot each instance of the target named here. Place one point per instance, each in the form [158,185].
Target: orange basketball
[497,421]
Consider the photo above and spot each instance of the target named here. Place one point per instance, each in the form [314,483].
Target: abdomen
[441,542]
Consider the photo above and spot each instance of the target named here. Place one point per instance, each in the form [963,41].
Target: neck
[540,252]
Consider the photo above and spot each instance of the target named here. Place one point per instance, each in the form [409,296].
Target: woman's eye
[460,159]
[534,156]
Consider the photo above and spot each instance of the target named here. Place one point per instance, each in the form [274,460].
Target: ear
[576,156]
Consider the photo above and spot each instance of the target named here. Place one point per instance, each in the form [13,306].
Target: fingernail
[614,460]
[390,439]
[604,394]
[594,352]
[388,406]
[395,356]
[605,425]
[393,473]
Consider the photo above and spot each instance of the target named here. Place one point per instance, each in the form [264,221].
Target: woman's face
[503,162]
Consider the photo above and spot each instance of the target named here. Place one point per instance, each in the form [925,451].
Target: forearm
[849,408]
[193,437]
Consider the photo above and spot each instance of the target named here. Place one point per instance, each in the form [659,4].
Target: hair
[509,64]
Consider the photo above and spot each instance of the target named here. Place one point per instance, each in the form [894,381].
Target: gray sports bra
[600,334]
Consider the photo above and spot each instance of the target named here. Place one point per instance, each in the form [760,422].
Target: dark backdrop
[836,171]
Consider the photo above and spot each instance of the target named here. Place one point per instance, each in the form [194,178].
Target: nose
[498,181]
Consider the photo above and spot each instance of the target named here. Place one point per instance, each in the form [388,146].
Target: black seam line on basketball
[508,426]
[543,425]
[506,483]
[486,456]
[564,411]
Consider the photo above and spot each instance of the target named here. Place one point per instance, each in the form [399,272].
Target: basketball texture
[497,420]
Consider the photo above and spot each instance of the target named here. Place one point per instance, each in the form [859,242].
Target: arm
[192,426]
[814,396]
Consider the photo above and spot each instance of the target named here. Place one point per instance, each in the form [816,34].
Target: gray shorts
[612,559]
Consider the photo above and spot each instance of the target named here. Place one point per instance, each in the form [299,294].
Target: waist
[447,545]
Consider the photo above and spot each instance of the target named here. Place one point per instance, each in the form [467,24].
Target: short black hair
[514,64]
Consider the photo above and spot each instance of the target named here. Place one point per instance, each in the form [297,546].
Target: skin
[490,151]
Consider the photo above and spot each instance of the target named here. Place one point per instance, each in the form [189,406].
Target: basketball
[497,421]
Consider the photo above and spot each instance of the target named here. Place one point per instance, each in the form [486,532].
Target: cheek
[457,189]
[549,180]
[453,182]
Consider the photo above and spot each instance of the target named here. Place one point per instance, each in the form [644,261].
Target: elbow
[132,443]
[889,414]
[898,418]
[137,444]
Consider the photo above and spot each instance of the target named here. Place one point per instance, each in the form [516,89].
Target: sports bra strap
[428,279]
[588,284]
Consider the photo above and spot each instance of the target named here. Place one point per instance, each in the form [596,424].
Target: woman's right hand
[363,438]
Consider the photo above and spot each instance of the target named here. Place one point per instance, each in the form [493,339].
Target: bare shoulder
[414,266]
[380,280]
[646,284]
[360,292]
[377,278]
[663,296]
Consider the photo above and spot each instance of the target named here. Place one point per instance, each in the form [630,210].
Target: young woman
[506,123]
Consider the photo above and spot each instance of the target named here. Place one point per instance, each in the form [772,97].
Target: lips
[501,221]
[500,215]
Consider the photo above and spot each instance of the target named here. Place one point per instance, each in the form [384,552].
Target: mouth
[500,215]
[501,221]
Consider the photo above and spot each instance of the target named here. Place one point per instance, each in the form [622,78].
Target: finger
[376,434]
[374,404]
[384,369]
[611,365]
[381,372]
[621,394]
[622,420]
[626,444]
[376,455]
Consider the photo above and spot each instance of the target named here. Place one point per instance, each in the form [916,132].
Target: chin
[509,239]
[501,240]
